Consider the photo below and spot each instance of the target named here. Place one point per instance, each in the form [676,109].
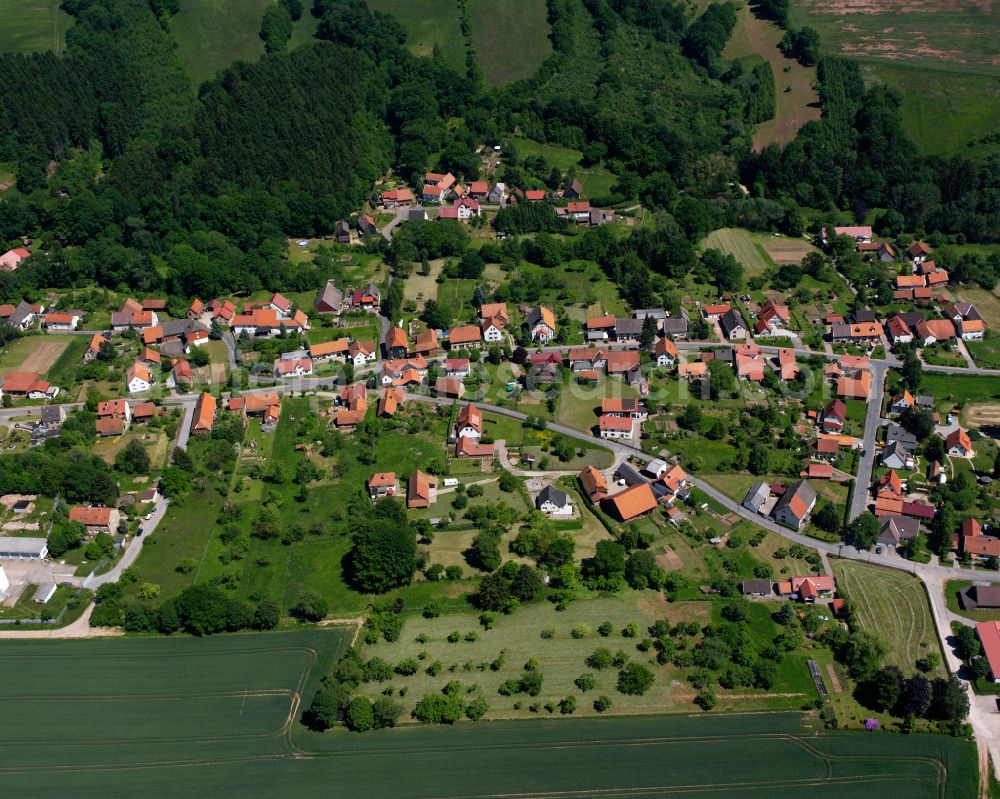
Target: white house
[491,333]
[616,427]
[553,502]
[138,378]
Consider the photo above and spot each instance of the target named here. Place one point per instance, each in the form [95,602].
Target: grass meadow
[503,57]
[753,36]
[212,34]
[428,23]
[893,605]
[33,26]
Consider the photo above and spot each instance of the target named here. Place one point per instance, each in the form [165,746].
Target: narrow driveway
[873,417]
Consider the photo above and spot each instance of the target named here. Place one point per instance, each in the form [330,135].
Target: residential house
[534,195]
[467,447]
[616,427]
[12,259]
[624,364]
[27,384]
[361,353]
[451,387]
[343,232]
[479,190]
[931,331]
[972,329]
[465,337]
[353,402]
[204,415]
[756,497]
[771,319]
[389,402]
[396,198]
[918,252]
[811,588]
[655,468]
[714,312]
[61,322]
[594,486]
[420,490]
[492,330]
[138,378]
[367,299]
[901,402]
[631,503]
[94,347]
[293,367]
[788,369]
[958,444]
[329,299]
[898,455]
[97,519]
[463,210]
[628,331]
[573,190]
[366,225]
[457,367]
[748,367]
[541,324]
[895,529]
[335,350]
[496,311]
[733,325]
[899,332]
[396,343]
[976,545]
[626,408]
[858,387]
[469,423]
[757,588]
[600,328]
[553,502]
[115,409]
[404,371]
[426,344]
[586,358]
[665,352]
[382,484]
[22,316]
[676,326]
[860,332]
[692,371]
[794,506]
[52,416]
[133,316]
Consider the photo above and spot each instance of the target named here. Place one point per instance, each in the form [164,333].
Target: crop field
[753,36]
[739,243]
[504,57]
[111,707]
[33,26]
[428,23]
[212,34]
[942,55]
[893,605]
[34,353]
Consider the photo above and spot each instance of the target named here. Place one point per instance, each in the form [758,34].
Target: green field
[753,36]
[596,180]
[33,26]
[428,23]
[212,34]
[217,717]
[943,57]
[740,244]
[893,605]
[502,56]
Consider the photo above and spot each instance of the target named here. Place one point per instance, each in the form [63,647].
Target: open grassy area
[40,354]
[942,57]
[212,34]
[739,244]
[505,57]
[596,180]
[893,605]
[948,389]
[428,23]
[33,26]
[753,36]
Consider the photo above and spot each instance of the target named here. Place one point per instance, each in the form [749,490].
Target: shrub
[635,679]
[585,682]
[602,703]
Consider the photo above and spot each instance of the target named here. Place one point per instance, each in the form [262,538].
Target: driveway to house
[78,629]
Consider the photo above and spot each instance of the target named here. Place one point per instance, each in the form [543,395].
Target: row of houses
[790,505]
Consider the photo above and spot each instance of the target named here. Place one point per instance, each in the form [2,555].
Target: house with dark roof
[756,497]
[553,501]
[594,486]
[733,324]
[894,529]
[330,299]
[757,588]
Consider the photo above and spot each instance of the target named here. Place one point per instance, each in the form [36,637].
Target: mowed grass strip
[738,243]
[511,38]
[33,26]
[892,605]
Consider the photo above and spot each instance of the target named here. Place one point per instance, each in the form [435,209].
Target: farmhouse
[204,415]
[449,387]
[426,343]
[594,486]
[465,337]
[96,519]
[615,427]
[329,299]
[958,444]
[335,350]
[795,505]
[27,384]
[469,423]
[62,322]
[809,589]
[733,325]
[665,352]
[630,408]
[541,324]
[631,503]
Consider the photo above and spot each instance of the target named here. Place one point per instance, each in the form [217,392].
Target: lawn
[502,56]
[753,36]
[33,26]
[428,23]
[964,389]
[985,353]
[736,485]
[893,605]
[212,34]
[38,353]
[596,180]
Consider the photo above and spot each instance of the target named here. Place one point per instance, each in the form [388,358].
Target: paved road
[873,417]
[134,549]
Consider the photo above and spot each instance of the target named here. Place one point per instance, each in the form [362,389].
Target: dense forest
[130,176]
